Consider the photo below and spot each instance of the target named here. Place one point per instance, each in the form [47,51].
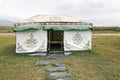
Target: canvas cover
[31,41]
[77,40]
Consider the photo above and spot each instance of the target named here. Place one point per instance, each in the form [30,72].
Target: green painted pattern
[21,29]
[66,28]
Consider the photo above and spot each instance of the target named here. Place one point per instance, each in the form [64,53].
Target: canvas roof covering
[50,18]
[53,19]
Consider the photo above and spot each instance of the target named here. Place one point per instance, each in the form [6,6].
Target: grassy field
[6,29]
[102,63]
[105,29]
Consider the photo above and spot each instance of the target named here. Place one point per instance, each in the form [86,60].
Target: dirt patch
[7,34]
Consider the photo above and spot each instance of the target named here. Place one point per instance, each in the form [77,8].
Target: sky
[98,12]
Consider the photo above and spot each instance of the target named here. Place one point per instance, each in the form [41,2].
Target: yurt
[47,34]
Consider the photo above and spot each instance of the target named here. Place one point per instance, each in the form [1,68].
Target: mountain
[8,21]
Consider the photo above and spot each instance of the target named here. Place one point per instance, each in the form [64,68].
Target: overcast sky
[98,12]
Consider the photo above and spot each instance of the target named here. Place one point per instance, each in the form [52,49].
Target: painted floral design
[31,43]
[77,39]
[87,45]
[20,48]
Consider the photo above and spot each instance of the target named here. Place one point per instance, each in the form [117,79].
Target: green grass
[17,67]
[102,32]
[6,29]
[105,29]
[102,63]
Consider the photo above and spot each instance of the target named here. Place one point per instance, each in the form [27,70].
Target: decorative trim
[87,45]
[20,48]
[42,47]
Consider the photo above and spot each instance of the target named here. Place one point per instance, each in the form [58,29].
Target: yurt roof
[48,22]
[51,18]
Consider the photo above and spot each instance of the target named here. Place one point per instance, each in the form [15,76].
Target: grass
[105,29]
[102,63]
[102,32]
[6,29]
[17,67]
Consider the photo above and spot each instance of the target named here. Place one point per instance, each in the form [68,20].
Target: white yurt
[52,34]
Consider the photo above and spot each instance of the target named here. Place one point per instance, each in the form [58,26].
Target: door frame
[49,41]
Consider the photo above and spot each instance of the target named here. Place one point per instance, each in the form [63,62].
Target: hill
[8,21]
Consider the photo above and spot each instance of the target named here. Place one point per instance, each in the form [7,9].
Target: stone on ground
[56,75]
[66,78]
[42,62]
[59,64]
[56,69]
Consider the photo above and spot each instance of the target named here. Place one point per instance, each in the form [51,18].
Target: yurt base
[45,54]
